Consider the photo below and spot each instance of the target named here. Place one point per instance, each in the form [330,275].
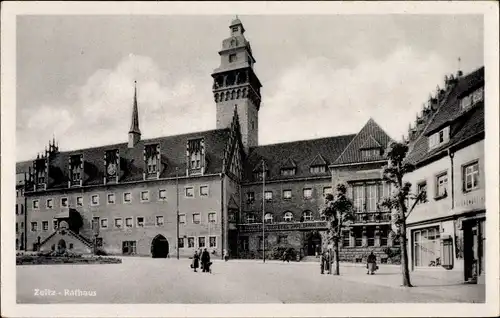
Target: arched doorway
[159,247]
[313,243]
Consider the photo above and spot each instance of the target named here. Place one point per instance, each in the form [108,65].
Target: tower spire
[134,135]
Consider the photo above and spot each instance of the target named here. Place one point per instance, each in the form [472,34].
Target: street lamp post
[177,207]
[263,211]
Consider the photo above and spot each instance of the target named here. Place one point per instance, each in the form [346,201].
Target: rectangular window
[250,197]
[50,203]
[307,193]
[212,241]
[144,196]
[203,191]
[181,242]
[232,58]
[244,243]
[268,195]
[346,239]
[370,237]
[140,221]
[287,194]
[471,176]
[371,197]
[195,155]
[79,201]
[111,198]
[442,185]
[384,235]
[250,218]
[190,242]
[54,224]
[118,223]
[151,154]
[422,186]
[94,200]
[327,190]
[317,169]
[34,226]
[36,205]
[159,220]
[95,222]
[162,194]
[127,197]
[288,172]
[189,192]
[64,202]
[426,247]
[129,247]
[104,223]
[196,218]
[182,219]
[129,222]
[212,217]
[45,225]
[359,198]
[370,153]
[201,241]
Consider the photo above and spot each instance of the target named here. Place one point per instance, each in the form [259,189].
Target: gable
[370,135]
[318,161]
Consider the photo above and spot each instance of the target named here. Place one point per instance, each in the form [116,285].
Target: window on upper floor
[439,138]
[111,198]
[307,193]
[317,169]
[159,220]
[268,195]
[203,191]
[34,226]
[258,175]
[76,169]
[127,197]
[79,201]
[370,153]
[64,202]
[50,203]
[144,196]
[422,186]
[212,217]
[250,218]
[472,98]
[288,216]
[232,58]
[268,218]
[471,176]
[189,192]
[152,157]
[441,185]
[288,172]
[307,216]
[287,194]
[359,198]
[327,190]
[196,155]
[250,197]
[36,204]
[162,194]
[196,218]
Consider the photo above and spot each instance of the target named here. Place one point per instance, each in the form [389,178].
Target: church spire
[134,135]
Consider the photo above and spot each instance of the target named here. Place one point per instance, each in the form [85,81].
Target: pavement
[155,281]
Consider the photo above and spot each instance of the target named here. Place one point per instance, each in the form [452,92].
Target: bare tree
[393,173]
[338,213]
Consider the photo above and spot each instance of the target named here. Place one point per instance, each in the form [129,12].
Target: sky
[322,75]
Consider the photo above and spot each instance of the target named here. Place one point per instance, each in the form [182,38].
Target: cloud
[99,112]
[315,98]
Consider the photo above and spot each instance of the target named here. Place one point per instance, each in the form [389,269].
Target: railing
[372,217]
[285,226]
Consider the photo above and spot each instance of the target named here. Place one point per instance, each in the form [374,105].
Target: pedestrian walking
[226,255]
[371,264]
[322,262]
[196,261]
[328,262]
[285,256]
[205,260]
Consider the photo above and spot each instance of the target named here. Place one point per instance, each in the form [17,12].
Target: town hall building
[211,189]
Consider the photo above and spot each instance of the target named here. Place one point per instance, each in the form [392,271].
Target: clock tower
[237,86]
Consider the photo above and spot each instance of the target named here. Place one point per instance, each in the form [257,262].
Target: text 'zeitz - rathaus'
[221,190]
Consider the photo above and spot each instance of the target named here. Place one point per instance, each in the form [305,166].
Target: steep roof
[370,135]
[172,151]
[302,153]
[463,123]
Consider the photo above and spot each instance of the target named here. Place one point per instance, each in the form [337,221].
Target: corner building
[172,194]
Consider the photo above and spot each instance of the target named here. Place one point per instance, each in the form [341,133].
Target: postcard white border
[8,98]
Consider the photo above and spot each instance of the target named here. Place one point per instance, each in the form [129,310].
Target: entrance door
[159,247]
[313,244]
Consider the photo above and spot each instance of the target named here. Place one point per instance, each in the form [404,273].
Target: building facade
[447,147]
[211,189]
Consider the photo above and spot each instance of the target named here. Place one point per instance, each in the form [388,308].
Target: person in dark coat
[205,261]
[371,264]
[196,261]
[322,262]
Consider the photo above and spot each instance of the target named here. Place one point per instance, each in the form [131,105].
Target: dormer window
[111,162]
[258,175]
[40,172]
[317,169]
[196,156]
[472,99]
[232,58]
[152,160]
[76,170]
[288,172]
[370,153]
[235,29]
[439,138]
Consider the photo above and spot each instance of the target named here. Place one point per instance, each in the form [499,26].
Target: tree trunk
[336,255]
[404,257]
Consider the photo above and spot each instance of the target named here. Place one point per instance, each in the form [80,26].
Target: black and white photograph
[250,154]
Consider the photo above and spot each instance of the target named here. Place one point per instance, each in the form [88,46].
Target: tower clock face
[112,169]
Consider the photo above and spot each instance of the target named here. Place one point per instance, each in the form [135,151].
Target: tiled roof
[463,124]
[172,150]
[370,143]
[352,153]
[288,164]
[302,153]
